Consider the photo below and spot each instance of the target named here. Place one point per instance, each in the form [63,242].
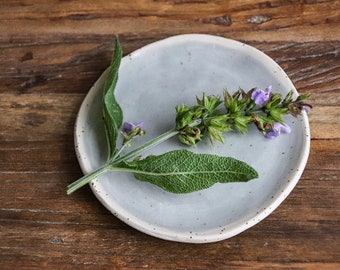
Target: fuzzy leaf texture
[113,115]
[182,171]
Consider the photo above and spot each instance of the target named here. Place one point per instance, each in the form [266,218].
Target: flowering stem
[161,138]
[116,160]
[119,151]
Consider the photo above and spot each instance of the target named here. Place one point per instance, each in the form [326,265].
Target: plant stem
[161,138]
[116,160]
[86,179]
[118,152]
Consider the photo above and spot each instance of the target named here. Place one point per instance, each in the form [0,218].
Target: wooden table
[51,54]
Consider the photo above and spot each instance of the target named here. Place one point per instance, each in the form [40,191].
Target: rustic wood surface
[53,51]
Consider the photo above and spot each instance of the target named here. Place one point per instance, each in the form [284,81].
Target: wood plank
[61,68]
[38,117]
[75,244]
[52,68]
[276,20]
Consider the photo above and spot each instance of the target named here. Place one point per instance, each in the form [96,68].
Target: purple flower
[260,96]
[276,129]
[305,105]
[128,127]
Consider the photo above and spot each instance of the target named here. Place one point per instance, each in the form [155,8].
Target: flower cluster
[263,108]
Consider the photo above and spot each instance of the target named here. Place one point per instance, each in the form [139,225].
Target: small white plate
[170,72]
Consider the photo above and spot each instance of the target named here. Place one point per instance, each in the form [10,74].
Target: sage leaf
[112,112]
[182,171]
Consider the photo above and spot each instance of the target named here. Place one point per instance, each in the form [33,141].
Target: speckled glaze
[152,80]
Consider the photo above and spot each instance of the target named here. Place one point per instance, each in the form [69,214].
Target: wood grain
[50,55]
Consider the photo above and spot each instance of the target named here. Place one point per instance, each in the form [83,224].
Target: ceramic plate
[170,72]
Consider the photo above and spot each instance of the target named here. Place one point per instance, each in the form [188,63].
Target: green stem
[89,177]
[161,138]
[119,151]
[86,179]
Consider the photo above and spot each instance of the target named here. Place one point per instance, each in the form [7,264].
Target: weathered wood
[50,68]
[275,20]
[52,52]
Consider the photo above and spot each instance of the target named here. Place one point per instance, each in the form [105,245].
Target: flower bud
[130,130]
[190,135]
[209,102]
[188,116]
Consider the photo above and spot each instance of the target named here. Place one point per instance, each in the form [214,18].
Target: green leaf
[113,115]
[288,99]
[303,97]
[209,102]
[241,123]
[182,171]
[276,114]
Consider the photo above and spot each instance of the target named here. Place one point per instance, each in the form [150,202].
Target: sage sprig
[213,116]
[182,171]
